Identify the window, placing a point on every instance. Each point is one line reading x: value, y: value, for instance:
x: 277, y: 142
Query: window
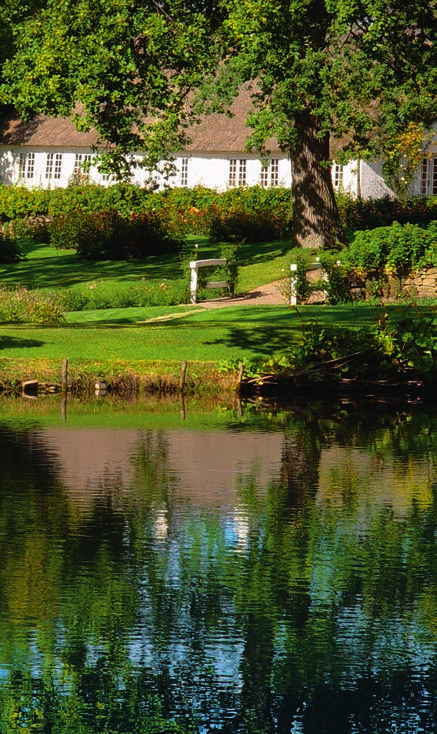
x: 274, y: 172
x: 26, y: 165
x: 337, y: 177
x: 184, y: 172
x: 108, y: 178
x: 428, y: 176
x: 270, y: 173
x: 79, y: 160
x: 53, y: 166
x: 237, y: 172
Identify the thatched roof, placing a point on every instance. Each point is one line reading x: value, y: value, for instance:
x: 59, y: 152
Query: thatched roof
x: 217, y: 133
x: 45, y: 132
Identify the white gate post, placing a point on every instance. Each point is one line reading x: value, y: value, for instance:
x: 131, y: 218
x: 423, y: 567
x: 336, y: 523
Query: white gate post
x: 193, y: 286
x: 293, y: 285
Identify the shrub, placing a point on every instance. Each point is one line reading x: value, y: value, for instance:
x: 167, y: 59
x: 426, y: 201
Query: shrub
x: 164, y: 293
x: 20, y: 202
x: 302, y: 286
x: 363, y: 214
x: 33, y: 307
x: 106, y: 235
x: 152, y: 233
x: 339, y: 283
x: 28, y: 231
x: 398, y: 249
x: 11, y: 250
x: 252, y: 214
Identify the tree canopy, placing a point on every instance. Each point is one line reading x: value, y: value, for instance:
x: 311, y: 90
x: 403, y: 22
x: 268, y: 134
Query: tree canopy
x: 356, y: 74
x: 124, y: 67
x: 353, y: 73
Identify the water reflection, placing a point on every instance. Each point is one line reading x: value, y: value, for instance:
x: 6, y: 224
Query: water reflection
x: 279, y: 577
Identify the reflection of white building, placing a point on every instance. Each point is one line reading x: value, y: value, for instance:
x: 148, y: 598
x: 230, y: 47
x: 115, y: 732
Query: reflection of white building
x: 207, y: 469
x: 50, y: 152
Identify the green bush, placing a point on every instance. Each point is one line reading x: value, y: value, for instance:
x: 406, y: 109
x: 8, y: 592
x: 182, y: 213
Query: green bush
x: 338, y: 284
x: 107, y: 235
x: 151, y: 233
x: 11, y: 249
x: 254, y: 214
x: 398, y: 249
x: 192, y: 206
x: 19, y: 202
x: 32, y: 307
x: 187, y: 209
x: 363, y: 214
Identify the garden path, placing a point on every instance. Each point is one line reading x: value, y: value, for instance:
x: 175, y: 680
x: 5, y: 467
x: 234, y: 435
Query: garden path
x: 265, y: 295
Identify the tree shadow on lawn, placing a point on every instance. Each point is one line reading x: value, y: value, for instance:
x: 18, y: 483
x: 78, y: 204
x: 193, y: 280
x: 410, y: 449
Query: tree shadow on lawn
x: 267, y: 337
x: 263, y: 340
x: 67, y: 270
x: 249, y: 253
x: 11, y: 342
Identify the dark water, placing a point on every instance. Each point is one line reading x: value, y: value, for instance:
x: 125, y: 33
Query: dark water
x: 277, y: 575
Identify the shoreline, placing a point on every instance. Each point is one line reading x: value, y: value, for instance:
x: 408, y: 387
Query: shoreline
x: 122, y: 378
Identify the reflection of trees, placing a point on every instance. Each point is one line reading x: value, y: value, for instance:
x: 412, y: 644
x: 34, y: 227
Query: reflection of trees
x: 280, y: 613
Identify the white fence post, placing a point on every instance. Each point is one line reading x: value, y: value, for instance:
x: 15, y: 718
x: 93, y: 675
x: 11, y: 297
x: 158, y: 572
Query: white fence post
x: 194, y: 265
x: 293, y: 278
x: 293, y: 285
x: 193, y: 283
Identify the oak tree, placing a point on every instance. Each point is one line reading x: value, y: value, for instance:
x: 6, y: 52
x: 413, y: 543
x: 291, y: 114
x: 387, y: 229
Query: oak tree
x: 353, y: 74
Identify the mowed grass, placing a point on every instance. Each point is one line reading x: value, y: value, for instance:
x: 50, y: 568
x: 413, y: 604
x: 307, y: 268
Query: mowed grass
x: 47, y: 268
x: 227, y: 334
x: 161, y: 333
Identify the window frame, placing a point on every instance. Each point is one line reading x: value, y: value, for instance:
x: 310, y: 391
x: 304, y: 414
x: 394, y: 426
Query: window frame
x: 184, y: 173
x: 428, y: 176
x: 53, y: 170
x: 237, y: 172
x: 26, y: 166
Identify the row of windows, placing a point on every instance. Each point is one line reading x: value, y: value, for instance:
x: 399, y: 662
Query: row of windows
x: 53, y: 167
x: 237, y: 169
x: 26, y: 166
x: 237, y: 174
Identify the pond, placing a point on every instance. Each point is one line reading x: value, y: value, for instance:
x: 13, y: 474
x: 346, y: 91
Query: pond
x: 253, y: 569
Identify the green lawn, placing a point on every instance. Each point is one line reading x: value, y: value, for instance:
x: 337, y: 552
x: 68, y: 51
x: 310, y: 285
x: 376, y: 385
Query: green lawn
x: 160, y: 336
x: 46, y: 267
x: 191, y: 333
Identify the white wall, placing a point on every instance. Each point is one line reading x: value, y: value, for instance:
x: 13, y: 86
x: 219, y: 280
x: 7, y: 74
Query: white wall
x: 373, y: 185
x: 210, y: 170
x: 10, y: 168
x: 202, y: 170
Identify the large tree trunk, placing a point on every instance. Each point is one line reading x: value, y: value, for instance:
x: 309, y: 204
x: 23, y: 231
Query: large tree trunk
x: 316, y: 221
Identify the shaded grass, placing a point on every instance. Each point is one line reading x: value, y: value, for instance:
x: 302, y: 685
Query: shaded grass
x: 235, y: 333
x: 48, y: 268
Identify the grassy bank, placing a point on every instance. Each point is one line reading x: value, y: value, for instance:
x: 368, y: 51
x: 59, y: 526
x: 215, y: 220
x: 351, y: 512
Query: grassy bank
x: 140, y: 348
x: 143, y: 347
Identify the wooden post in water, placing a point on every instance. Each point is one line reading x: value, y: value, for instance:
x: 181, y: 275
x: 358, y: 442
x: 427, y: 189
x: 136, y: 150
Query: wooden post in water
x: 64, y: 388
x: 64, y: 376
x: 182, y: 406
x: 183, y: 373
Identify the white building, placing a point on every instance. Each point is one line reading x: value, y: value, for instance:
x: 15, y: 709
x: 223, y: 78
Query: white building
x: 50, y: 152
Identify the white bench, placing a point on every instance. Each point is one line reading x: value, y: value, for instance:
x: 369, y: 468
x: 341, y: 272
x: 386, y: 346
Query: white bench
x: 195, y: 265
